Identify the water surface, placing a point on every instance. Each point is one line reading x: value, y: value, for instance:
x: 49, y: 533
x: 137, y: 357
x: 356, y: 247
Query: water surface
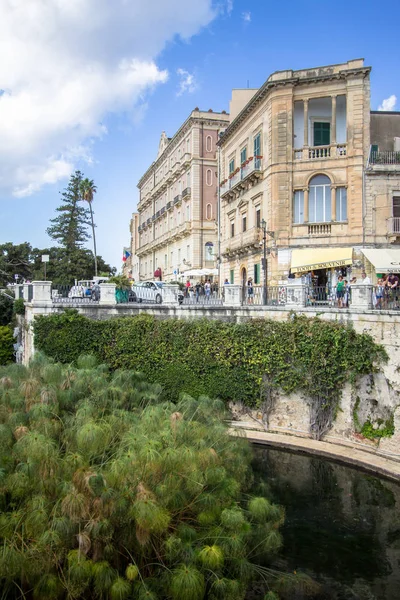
x: 342, y: 525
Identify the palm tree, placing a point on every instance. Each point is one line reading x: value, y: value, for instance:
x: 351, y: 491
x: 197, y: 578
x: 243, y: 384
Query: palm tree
x: 88, y: 189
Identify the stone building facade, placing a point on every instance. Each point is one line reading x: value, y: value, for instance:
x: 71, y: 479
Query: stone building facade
x: 293, y: 157
x: 130, y: 267
x: 382, y: 183
x: 177, y: 229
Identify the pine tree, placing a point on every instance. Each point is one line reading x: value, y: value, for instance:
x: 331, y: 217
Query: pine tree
x: 69, y: 227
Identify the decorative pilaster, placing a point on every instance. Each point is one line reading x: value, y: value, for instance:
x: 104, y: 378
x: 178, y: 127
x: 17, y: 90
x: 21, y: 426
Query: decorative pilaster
x: 333, y: 202
x: 333, y: 132
x: 305, y: 103
x: 306, y: 193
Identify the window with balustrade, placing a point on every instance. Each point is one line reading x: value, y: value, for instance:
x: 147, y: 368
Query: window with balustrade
x: 243, y: 155
x: 319, y: 200
x: 341, y: 204
x: 298, y: 207
x: 257, y: 150
x: 231, y: 166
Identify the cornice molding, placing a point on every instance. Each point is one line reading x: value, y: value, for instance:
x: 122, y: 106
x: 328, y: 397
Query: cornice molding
x: 268, y: 86
x: 177, y: 138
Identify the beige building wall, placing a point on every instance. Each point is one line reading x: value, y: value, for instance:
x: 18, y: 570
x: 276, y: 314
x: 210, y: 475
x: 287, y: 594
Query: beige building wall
x: 178, y: 200
x: 130, y: 267
x: 283, y: 114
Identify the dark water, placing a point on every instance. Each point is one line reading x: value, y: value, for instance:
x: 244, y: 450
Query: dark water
x: 342, y: 526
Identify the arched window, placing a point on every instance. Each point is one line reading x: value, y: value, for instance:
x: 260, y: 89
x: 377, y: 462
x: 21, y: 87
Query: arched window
x: 209, y: 177
x: 319, y: 200
x: 209, y: 251
x: 209, y: 212
x: 209, y: 143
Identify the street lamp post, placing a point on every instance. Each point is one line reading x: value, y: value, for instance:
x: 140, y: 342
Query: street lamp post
x: 265, y: 266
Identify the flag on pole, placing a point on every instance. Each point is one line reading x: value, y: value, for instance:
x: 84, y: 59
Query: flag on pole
x: 126, y: 255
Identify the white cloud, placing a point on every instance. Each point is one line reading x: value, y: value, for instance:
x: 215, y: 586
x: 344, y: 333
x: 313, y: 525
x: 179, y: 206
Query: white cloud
x: 229, y: 6
x: 246, y: 16
x: 67, y: 65
x: 388, y: 103
x: 187, y: 84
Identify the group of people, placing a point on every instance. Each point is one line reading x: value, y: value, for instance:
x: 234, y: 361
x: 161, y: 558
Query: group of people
x: 343, y: 291
x: 201, y: 288
x: 387, y: 291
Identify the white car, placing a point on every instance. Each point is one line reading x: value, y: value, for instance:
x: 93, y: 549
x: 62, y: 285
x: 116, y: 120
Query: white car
x: 147, y: 291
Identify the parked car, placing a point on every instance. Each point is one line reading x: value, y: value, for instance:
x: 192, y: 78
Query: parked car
x: 150, y: 291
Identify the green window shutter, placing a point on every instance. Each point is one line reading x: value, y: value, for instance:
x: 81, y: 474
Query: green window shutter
x: 231, y: 166
x: 257, y: 145
x: 322, y: 134
x: 243, y: 155
x: 257, y: 273
x: 232, y: 276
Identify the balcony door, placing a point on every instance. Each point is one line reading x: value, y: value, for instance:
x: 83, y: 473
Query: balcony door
x: 322, y: 133
x: 396, y: 206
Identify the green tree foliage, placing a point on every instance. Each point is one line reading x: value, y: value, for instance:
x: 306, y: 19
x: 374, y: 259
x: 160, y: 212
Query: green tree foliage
x: 69, y: 228
x: 232, y: 362
x: 6, y: 345
x: 64, y: 267
x: 108, y: 493
x: 6, y: 308
x: 15, y: 259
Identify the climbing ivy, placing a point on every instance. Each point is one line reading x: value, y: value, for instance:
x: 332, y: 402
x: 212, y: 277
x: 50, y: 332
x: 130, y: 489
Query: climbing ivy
x: 225, y: 360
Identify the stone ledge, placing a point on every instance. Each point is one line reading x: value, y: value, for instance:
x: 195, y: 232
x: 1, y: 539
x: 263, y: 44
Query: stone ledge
x: 373, y: 463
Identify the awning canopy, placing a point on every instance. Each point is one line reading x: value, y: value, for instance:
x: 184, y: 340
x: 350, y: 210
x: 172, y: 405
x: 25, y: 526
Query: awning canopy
x: 311, y: 259
x: 385, y: 260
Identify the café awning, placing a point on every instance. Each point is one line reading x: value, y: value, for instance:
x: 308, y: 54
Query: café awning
x: 312, y: 259
x: 385, y: 260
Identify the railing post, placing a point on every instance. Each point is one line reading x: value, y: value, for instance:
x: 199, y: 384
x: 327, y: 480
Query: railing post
x: 107, y: 294
x: 361, y: 296
x: 296, y: 294
x: 232, y: 295
x: 41, y: 292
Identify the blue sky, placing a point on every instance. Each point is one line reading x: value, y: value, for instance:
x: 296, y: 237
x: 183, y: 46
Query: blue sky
x: 108, y: 124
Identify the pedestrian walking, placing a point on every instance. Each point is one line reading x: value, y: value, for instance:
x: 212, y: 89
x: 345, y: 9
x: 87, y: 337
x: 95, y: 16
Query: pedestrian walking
x: 207, y: 290
x: 250, y: 291
x: 340, y: 289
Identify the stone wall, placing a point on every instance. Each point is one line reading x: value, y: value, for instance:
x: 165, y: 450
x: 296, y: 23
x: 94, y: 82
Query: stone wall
x: 380, y: 391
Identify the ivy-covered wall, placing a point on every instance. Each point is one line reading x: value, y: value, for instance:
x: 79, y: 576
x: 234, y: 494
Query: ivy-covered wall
x: 239, y: 362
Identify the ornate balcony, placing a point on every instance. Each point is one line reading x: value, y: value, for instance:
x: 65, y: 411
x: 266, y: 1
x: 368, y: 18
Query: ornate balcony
x: 247, y: 176
x: 177, y: 200
x: 243, y: 243
x: 393, y: 226
x: 320, y: 152
x: 165, y: 238
x: 186, y: 193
